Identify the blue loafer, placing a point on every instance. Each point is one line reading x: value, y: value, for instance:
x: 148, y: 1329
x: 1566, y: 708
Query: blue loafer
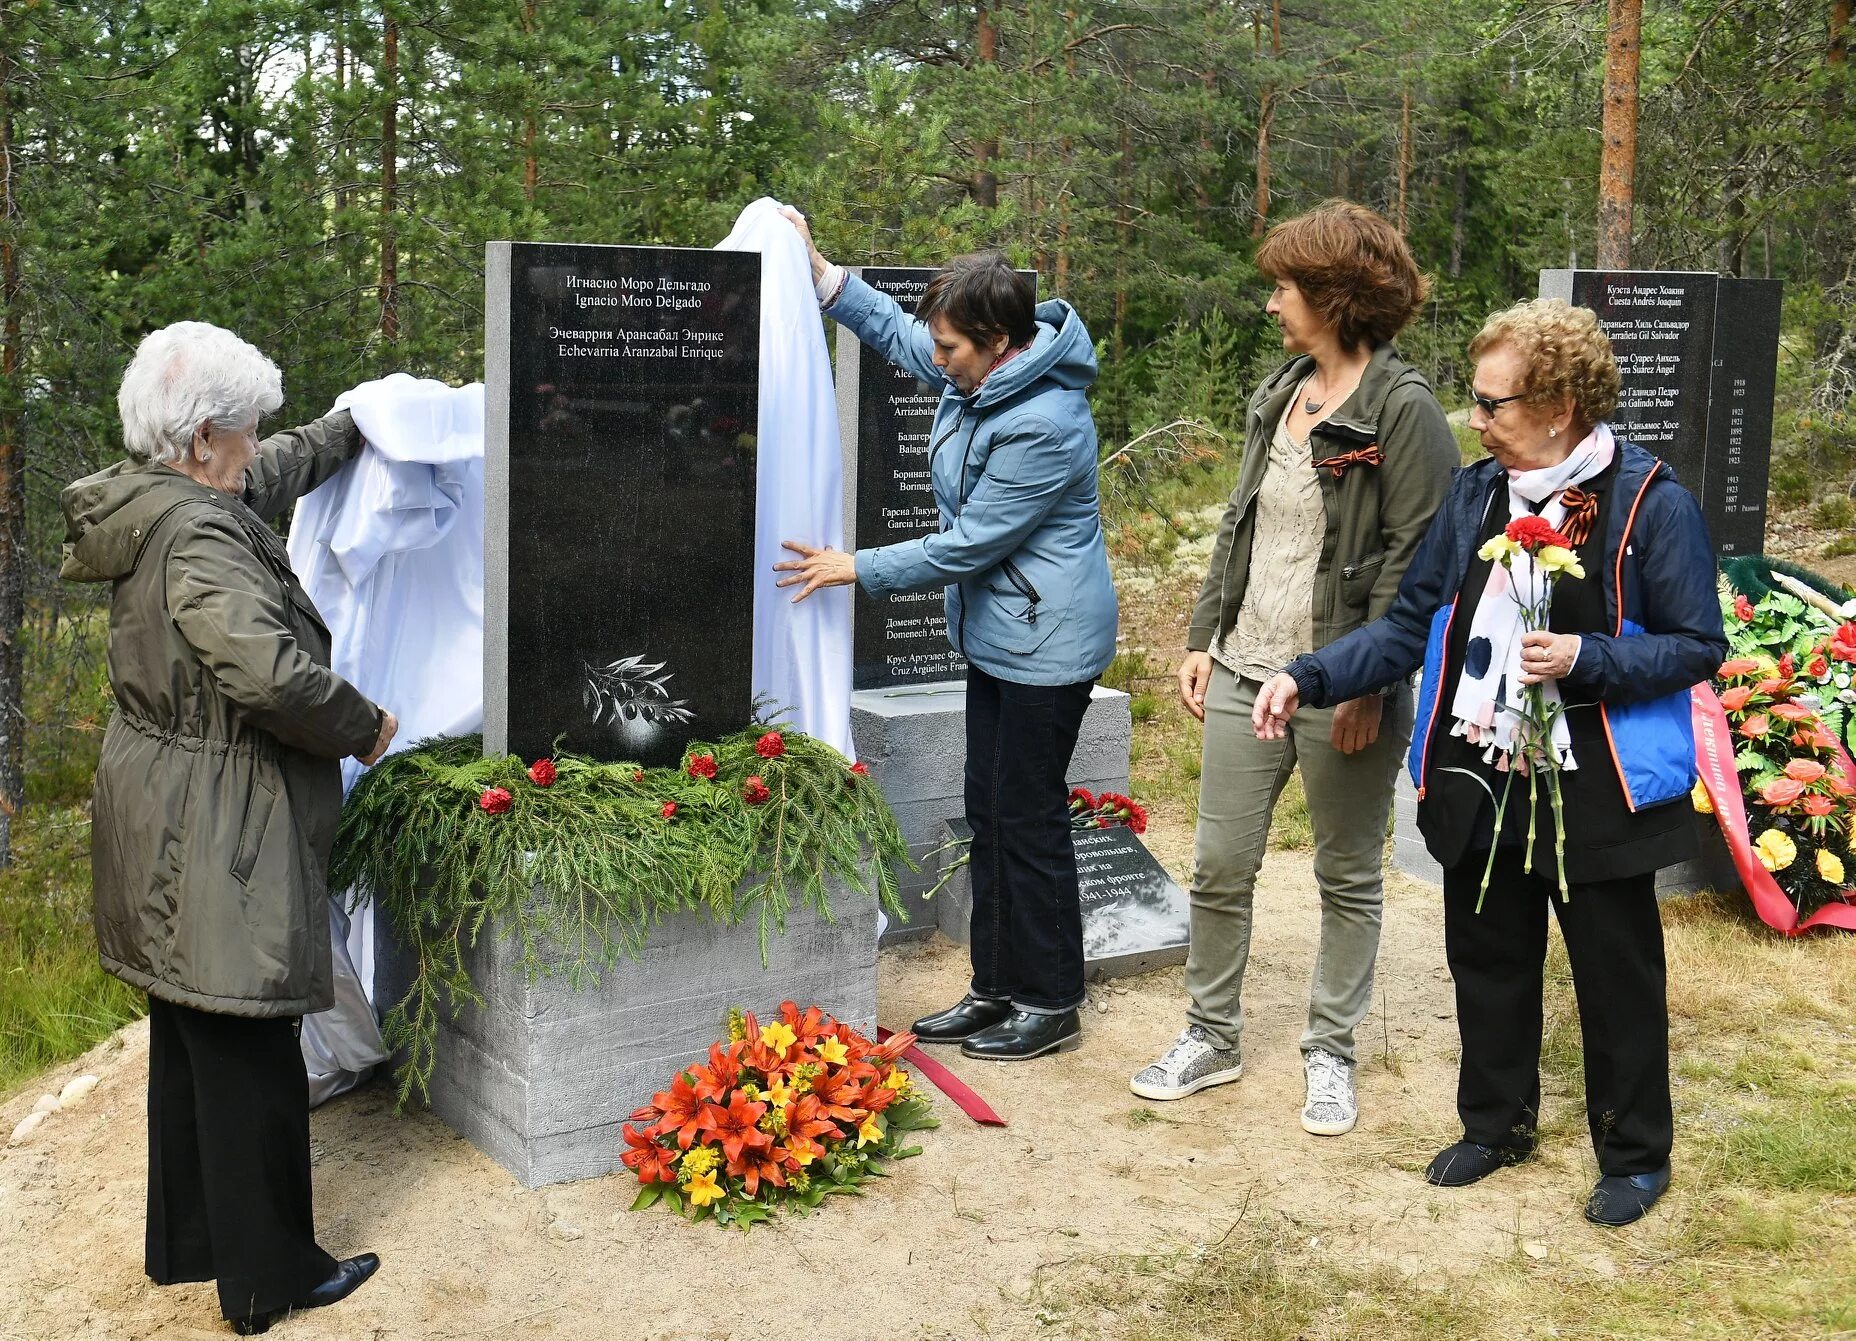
x: 1622, y: 1199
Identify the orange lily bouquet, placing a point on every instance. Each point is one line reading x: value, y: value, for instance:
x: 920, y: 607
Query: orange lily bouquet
x: 782, y: 1114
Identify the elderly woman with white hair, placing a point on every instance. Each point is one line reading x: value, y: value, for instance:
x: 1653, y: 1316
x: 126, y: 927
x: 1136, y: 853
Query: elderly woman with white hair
x: 216, y: 802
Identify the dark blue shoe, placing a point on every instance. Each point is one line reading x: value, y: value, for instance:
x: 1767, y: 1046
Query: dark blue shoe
x: 1466, y: 1162
x: 1622, y: 1199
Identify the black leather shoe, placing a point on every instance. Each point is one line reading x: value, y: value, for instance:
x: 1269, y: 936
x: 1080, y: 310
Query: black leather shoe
x: 960, y: 1021
x: 348, y: 1278
x: 1023, y: 1035
x: 1466, y: 1162
x: 1622, y: 1199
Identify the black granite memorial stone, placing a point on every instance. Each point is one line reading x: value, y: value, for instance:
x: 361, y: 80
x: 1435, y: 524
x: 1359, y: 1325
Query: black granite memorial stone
x: 1697, y: 358
x: 622, y: 405
x: 901, y: 638
x: 1135, y: 917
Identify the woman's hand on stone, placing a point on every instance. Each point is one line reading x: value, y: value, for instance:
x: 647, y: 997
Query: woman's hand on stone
x: 1548, y: 656
x: 389, y: 727
x: 816, y: 568
x: 1276, y: 704
x: 819, y: 264
x: 1356, y: 722
x: 1195, y: 677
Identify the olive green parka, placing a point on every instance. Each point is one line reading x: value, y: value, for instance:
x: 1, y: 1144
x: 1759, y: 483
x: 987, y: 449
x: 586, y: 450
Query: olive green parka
x: 219, y: 785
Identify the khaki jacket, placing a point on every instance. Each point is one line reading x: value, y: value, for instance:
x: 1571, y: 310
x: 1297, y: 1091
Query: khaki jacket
x: 219, y: 785
x: 1376, y: 513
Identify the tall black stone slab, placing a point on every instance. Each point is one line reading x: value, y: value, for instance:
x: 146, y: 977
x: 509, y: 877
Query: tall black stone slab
x: 1698, y: 356
x: 899, y: 639
x: 1746, y: 367
x: 621, y: 388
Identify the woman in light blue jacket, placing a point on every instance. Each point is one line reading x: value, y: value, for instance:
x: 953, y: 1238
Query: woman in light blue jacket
x: 1030, y: 604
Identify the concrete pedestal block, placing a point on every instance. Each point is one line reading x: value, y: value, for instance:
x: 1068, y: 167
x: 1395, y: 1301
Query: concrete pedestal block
x: 1409, y: 853
x: 914, y: 742
x: 540, y: 1076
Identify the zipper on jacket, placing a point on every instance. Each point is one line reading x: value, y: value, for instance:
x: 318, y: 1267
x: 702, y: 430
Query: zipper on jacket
x: 1025, y: 589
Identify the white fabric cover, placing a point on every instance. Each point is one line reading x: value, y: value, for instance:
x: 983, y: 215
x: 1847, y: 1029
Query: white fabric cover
x: 802, y: 653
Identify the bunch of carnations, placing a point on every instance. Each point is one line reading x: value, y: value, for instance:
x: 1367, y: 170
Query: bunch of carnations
x: 1533, y: 752
x: 1800, y: 802
x: 781, y: 1114
x: 1105, y: 811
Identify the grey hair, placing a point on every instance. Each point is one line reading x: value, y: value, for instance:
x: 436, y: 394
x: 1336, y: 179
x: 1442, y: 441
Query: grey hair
x: 186, y: 375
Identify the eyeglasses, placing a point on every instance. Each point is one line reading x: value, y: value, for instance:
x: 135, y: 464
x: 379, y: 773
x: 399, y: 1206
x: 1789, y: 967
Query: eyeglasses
x: 1491, y: 404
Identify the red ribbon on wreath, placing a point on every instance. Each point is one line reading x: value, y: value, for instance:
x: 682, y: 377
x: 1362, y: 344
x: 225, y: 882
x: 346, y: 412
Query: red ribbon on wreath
x: 1714, y: 755
x: 1364, y: 456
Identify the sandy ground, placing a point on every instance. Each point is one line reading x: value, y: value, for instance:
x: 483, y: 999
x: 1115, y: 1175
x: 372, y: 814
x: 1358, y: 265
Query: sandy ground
x: 972, y: 1239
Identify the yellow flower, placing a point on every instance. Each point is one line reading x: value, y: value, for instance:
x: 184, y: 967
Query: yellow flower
x: 698, y: 1159
x: 779, y: 1036
x: 780, y: 1093
x: 869, y: 1132
x: 1704, y: 804
x: 702, y: 1190
x: 897, y: 1079
x: 1830, y: 866
x: 1555, y: 559
x: 1775, y: 850
x: 737, y: 1027
x: 1499, y: 548
x: 803, y: 1156
x: 833, y: 1052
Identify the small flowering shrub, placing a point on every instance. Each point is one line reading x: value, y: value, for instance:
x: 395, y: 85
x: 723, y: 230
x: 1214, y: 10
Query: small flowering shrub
x: 782, y: 1114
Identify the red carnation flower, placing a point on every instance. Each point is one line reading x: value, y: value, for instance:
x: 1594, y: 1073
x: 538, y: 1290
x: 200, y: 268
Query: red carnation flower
x: 770, y: 746
x: 1080, y: 799
x: 861, y: 769
x: 637, y: 775
x: 541, y: 772
x: 1756, y: 726
x: 496, y: 800
x: 755, y: 792
x: 1781, y: 792
x: 1843, y: 642
x: 1735, y: 699
x: 1532, y: 533
x: 1818, y: 806
x: 702, y: 766
x: 1743, y: 608
x: 1818, y: 667
x: 669, y: 811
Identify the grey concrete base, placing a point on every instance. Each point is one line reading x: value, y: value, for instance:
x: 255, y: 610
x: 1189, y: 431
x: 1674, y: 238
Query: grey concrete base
x: 540, y: 1077
x: 1713, y: 869
x: 914, y: 741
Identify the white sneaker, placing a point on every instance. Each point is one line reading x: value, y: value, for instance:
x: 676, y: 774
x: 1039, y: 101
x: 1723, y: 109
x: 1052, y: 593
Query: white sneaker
x: 1192, y: 1064
x: 1330, y: 1109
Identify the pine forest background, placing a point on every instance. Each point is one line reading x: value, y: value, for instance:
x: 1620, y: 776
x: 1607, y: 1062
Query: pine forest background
x: 321, y: 176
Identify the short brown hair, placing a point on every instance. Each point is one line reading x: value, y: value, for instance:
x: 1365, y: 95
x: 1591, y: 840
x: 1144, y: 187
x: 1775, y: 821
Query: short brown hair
x: 982, y: 297
x: 1352, y: 267
x: 1565, y: 353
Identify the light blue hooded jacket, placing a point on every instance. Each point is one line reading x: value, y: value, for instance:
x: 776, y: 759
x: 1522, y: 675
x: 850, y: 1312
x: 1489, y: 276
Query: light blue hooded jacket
x: 1020, y: 550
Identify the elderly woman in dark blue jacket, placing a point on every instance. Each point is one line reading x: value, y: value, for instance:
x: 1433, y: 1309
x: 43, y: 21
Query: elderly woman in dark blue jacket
x: 1623, y: 646
x: 1030, y: 604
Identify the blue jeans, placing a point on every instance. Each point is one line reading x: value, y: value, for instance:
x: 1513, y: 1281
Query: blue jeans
x: 1027, y: 922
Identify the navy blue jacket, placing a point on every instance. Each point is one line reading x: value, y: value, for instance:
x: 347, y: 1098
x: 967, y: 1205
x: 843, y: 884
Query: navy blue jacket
x: 1660, y: 602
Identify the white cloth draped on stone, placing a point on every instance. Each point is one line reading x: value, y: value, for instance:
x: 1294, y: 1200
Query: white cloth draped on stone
x: 1490, y: 698
x: 391, y: 551
x: 802, y: 653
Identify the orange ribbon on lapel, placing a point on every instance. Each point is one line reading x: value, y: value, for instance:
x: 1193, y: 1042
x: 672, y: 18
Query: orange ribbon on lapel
x: 1581, y: 513
x: 1365, y: 456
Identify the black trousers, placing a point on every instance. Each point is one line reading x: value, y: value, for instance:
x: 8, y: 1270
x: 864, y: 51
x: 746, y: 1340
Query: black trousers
x: 228, y: 1159
x: 1614, y: 938
x: 1027, y: 923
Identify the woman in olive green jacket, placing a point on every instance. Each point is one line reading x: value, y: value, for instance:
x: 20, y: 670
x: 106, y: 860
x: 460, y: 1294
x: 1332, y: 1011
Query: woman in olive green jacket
x: 216, y: 801
x: 1347, y: 456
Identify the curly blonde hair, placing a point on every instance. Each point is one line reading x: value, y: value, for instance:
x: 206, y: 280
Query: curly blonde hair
x: 1565, y: 353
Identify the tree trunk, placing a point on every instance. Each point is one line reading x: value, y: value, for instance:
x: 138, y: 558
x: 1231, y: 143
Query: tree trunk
x: 986, y: 152
x: 1401, y: 213
x: 1266, y: 113
x: 1617, y: 173
x: 1838, y: 52
x: 14, y: 557
x: 338, y: 116
x: 389, y: 181
x: 1124, y: 214
x: 1065, y: 154
x: 531, y: 167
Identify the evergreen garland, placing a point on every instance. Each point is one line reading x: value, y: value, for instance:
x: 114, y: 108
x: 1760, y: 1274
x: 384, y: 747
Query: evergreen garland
x: 576, y: 861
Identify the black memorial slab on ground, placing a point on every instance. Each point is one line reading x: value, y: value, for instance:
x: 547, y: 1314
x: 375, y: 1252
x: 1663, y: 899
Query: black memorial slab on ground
x: 1135, y: 916
x: 1697, y: 355
x: 621, y: 388
x: 886, y: 416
